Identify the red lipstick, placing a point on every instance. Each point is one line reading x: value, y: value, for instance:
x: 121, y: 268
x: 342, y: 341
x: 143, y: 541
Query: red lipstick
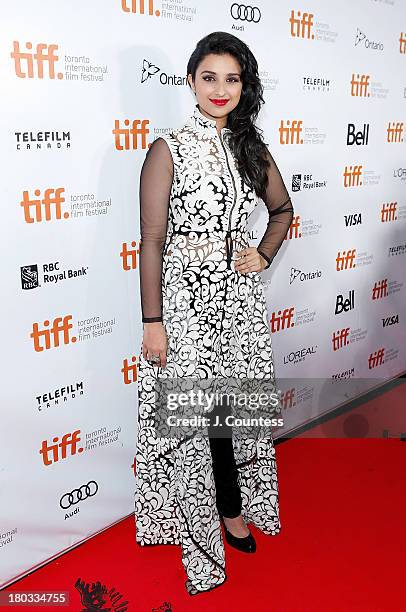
x: 218, y: 101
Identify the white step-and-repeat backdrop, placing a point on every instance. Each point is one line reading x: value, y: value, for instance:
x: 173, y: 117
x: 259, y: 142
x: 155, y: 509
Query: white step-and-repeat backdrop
x: 86, y: 87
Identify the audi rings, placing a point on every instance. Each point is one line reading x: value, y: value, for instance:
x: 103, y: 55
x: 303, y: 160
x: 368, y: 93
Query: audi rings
x: 244, y: 12
x: 77, y: 495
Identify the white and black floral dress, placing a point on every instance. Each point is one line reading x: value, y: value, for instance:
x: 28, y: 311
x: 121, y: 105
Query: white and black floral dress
x: 194, y: 208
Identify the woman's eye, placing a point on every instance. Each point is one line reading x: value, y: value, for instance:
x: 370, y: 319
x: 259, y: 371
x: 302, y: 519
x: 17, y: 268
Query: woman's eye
x: 232, y: 79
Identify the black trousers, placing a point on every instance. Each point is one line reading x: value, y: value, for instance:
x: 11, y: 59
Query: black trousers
x: 228, y: 494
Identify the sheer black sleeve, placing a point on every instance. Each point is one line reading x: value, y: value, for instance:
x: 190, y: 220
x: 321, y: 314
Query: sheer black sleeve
x: 155, y: 186
x: 280, y: 212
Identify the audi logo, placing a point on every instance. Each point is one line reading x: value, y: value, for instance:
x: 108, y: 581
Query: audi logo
x: 245, y: 13
x: 77, y: 495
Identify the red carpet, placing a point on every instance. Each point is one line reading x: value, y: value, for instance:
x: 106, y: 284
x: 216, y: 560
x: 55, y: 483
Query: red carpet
x: 342, y: 504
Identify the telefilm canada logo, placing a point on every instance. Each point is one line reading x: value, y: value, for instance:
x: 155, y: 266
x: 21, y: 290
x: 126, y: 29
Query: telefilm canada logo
x: 59, y: 395
x: 42, y: 140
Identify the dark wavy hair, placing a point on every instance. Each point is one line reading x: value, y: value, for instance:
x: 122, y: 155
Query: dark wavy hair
x: 245, y: 139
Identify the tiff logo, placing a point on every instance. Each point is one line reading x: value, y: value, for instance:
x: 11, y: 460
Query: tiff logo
x: 138, y: 6
x: 34, y: 62
x: 52, y: 335
x: 282, y: 320
x: 129, y: 371
x: 360, y: 86
x: 288, y: 398
x: 346, y: 260
x: 129, y: 256
x: 388, y: 212
x: 45, y: 209
x: 302, y: 25
x: 352, y: 176
x: 340, y: 338
x: 380, y: 289
x: 376, y: 358
x: 287, y: 134
x: 126, y: 138
x: 58, y: 450
x: 402, y: 43
x: 294, y: 228
x: 395, y: 132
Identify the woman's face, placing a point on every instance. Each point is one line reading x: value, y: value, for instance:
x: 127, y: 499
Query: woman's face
x: 217, y: 85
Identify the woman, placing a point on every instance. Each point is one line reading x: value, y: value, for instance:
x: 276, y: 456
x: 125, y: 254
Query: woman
x: 204, y: 312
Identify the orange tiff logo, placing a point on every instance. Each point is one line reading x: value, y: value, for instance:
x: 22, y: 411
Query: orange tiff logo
x: 43, y: 209
x: 138, y: 6
x: 127, y: 137
x: 395, y: 131
x: 52, y: 453
x: 294, y: 229
x: 380, y: 289
x: 402, y: 43
x: 283, y: 319
x: 31, y: 64
x: 301, y: 25
x: 340, y: 339
x: 360, y: 85
x: 388, y: 212
x: 376, y: 358
x: 345, y: 261
x: 130, y: 370
x: 52, y: 335
x: 352, y: 176
x: 290, y: 133
x: 129, y: 256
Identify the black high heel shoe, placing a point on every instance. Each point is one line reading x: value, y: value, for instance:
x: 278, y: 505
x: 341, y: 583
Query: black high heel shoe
x: 247, y: 544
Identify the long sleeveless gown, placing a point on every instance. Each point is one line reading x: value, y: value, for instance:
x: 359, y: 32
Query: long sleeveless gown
x: 194, y: 208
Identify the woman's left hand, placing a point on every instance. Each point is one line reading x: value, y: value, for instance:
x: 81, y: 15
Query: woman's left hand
x: 249, y: 260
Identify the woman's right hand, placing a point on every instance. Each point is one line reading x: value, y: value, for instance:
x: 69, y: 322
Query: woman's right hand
x: 155, y: 342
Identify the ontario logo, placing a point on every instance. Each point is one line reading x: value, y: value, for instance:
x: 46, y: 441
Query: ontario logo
x: 149, y: 70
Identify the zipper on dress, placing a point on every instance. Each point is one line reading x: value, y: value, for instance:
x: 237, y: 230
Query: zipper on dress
x: 229, y: 240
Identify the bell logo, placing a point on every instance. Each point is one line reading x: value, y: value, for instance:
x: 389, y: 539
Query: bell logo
x: 129, y: 256
x: 380, y: 289
x: 388, y: 212
x: 301, y: 26
x: 52, y: 335
x: 346, y: 260
x: 402, y: 43
x: 395, y: 131
x: 287, y: 133
x: 31, y: 65
x: 46, y: 209
x: 138, y: 6
x: 282, y: 320
x: 352, y: 176
x: 294, y: 228
x: 360, y: 85
x: 59, y: 449
x: 340, y: 338
x: 129, y: 371
x: 126, y: 138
